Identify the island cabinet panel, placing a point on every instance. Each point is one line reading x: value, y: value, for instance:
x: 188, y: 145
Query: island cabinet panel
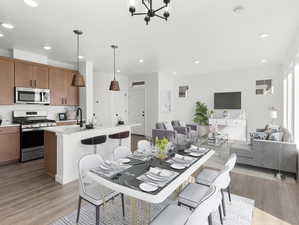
x: 50, y: 153
x: 23, y: 75
x: 10, y: 145
x: 72, y: 92
x: 6, y: 81
x: 58, y: 86
x: 31, y: 75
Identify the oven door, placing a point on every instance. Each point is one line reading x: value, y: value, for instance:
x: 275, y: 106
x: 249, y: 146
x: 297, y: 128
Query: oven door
x: 32, y: 144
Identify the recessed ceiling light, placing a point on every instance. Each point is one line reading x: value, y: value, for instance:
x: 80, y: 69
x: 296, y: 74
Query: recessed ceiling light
x: 118, y: 71
x: 80, y: 57
x: 238, y: 9
x: 31, y: 3
x: 264, y: 61
x: 47, y: 47
x: 263, y: 36
x: 1, y: 35
x: 141, y: 60
x: 196, y: 62
x: 7, y: 25
x: 174, y: 73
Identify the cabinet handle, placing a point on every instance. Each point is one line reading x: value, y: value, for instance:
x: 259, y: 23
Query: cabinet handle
x: 31, y: 83
x: 62, y: 101
x: 34, y: 83
x: 66, y: 101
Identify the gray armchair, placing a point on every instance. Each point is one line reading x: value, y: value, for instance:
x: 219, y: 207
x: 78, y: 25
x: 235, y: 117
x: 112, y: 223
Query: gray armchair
x: 174, y: 134
x: 191, y: 129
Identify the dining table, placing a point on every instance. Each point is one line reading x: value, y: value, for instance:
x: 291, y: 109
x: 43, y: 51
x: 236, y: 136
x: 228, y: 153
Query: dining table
x: 135, y: 173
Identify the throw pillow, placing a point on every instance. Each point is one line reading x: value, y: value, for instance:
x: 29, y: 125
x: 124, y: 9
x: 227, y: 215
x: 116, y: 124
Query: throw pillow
x: 277, y: 136
x: 168, y: 126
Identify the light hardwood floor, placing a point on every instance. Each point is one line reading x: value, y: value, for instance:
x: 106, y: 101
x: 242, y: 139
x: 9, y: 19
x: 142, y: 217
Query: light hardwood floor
x: 29, y: 196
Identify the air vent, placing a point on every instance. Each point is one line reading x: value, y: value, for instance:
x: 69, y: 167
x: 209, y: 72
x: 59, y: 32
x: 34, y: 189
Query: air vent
x: 139, y: 83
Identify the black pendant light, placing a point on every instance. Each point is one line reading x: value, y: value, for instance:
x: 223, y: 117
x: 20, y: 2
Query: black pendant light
x: 150, y: 12
x: 78, y: 79
x: 114, y: 85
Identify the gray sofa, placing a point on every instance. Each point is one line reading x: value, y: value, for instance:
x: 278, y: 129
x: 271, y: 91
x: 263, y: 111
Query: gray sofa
x: 175, y: 134
x: 268, y: 154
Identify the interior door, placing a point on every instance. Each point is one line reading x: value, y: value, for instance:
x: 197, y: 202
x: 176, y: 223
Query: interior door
x: 137, y: 109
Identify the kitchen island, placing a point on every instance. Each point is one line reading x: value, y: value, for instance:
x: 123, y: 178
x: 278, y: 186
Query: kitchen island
x: 63, y: 148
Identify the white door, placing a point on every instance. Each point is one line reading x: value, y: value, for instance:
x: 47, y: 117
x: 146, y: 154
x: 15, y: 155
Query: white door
x: 137, y: 109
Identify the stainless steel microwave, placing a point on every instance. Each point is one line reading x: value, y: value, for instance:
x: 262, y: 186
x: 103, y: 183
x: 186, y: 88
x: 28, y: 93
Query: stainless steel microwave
x: 32, y: 96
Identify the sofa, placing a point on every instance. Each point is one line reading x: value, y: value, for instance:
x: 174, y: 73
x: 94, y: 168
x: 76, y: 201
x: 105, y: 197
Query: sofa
x: 279, y: 154
x: 166, y: 129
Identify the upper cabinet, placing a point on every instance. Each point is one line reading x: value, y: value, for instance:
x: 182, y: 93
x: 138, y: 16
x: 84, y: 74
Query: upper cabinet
x: 31, y: 75
x: 62, y: 91
x: 6, y: 81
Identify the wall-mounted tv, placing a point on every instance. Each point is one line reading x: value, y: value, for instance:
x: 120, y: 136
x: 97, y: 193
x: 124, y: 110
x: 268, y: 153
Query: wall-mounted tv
x: 227, y: 100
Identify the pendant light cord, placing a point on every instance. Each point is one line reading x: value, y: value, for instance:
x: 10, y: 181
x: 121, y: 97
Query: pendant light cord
x: 78, y: 52
x: 114, y: 61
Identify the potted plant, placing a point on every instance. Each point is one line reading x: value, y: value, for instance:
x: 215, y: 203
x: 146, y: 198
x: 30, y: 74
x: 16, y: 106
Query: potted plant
x: 201, y: 117
x: 162, y: 144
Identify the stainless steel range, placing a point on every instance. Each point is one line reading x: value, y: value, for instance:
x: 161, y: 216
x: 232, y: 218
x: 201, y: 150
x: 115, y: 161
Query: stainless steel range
x: 32, y: 133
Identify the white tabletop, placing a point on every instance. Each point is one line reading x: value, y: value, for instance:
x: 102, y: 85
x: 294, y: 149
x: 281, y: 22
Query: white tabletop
x: 160, y: 196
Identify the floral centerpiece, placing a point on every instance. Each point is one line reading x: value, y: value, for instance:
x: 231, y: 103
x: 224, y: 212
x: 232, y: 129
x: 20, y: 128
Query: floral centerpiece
x: 162, y: 144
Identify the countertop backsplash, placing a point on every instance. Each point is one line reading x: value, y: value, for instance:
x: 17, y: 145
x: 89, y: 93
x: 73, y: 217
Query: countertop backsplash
x: 6, y: 111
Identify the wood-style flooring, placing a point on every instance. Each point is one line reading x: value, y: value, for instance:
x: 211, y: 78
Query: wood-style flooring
x: 29, y: 196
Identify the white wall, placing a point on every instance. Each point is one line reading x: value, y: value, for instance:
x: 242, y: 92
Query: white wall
x: 108, y: 103
x: 151, y: 99
x: 202, y: 88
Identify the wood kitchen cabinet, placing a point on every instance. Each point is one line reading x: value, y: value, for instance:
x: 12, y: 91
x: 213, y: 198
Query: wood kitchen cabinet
x: 62, y: 91
x: 6, y: 81
x: 10, y: 145
x: 31, y: 75
x: 50, y: 153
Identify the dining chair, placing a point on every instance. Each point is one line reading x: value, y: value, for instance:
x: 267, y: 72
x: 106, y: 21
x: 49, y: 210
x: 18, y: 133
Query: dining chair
x: 207, y: 176
x: 144, y: 145
x: 121, y: 152
x: 193, y: 193
x: 202, y: 214
x: 91, y: 191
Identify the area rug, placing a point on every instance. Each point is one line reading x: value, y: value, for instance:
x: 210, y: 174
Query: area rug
x: 239, y: 212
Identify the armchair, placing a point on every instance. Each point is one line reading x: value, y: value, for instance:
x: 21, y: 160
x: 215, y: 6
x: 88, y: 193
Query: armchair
x: 191, y: 129
x: 174, y: 134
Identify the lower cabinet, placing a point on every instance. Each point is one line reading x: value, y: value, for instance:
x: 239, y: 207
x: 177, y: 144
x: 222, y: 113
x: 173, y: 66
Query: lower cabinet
x: 9, y: 145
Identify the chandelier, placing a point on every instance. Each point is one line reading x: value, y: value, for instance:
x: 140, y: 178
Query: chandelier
x: 148, y: 4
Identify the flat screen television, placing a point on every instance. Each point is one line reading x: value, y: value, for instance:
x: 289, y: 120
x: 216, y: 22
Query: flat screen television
x: 227, y: 100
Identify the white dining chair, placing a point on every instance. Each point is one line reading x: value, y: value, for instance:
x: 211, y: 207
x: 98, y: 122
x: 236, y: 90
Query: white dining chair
x: 207, y: 176
x: 121, y: 152
x: 176, y: 215
x: 91, y: 191
x: 193, y: 193
x: 144, y: 145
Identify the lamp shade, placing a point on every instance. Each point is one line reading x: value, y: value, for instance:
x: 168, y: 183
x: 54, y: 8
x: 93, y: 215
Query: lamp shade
x: 274, y: 114
x: 114, y: 86
x: 78, y: 80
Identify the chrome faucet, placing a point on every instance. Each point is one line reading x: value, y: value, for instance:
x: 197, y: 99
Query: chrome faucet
x: 79, y: 111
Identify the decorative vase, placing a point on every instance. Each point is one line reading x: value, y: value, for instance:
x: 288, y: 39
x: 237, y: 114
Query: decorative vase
x: 162, y: 154
x: 203, y: 130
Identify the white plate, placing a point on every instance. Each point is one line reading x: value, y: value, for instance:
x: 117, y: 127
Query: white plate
x: 148, y: 187
x: 124, y: 160
x: 155, y: 177
x: 177, y: 166
x: 166, y: 173
x: 196, y: 154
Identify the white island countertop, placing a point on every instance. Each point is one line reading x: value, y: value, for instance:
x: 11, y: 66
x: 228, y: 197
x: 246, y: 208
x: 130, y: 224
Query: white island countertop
x: 75, y: 129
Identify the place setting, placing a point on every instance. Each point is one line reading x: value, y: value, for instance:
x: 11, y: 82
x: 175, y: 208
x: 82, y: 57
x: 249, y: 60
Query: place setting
x: 110, y: 168
x: 196, y: 151
x: 155, y: 178
x: 180, y: 162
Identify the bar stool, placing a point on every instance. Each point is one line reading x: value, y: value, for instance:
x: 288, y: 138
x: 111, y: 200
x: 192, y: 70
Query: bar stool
x: 94, y: 141
x: 120, y: 136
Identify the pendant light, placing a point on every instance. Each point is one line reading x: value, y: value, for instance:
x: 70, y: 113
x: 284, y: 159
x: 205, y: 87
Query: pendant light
x: 114, y: 85
x: 78, y: 79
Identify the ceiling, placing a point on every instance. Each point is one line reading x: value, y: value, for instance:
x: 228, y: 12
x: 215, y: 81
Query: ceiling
x: 204, y: 30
